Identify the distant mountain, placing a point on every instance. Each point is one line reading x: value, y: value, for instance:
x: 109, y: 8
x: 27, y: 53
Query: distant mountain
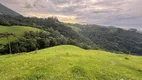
x: 6, y: 11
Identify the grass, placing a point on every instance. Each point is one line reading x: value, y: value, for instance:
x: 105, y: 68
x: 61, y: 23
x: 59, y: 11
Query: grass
x: 17, y: 30
x: 68, y: 62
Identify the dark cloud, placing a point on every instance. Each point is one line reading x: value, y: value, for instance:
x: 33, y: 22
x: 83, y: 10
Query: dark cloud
x: 62, y: 2
x: 111, y: 3
x: 9, y: 1
x: 27, y: 5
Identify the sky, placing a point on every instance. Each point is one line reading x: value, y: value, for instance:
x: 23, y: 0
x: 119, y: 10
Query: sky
x: 121, y: 13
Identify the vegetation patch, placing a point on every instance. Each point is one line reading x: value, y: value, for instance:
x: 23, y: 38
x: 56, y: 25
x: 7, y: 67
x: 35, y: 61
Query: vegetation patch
x: 140, y: 70
x: 78, y: 71
x: 126, y: 58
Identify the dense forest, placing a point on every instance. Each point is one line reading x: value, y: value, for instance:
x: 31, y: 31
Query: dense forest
x: 57, y: 33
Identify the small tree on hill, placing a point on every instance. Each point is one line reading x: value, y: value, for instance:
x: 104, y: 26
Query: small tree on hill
x: 7, y: 35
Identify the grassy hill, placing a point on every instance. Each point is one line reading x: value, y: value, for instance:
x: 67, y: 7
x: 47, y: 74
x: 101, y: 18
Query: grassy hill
x: 70, y: 63
x: 17, y: 30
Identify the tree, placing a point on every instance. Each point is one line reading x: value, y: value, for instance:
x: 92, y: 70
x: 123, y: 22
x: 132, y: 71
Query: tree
x: 53, y: 42
x: 7, y: 35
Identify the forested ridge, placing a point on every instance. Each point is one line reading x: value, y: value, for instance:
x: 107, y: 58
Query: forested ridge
x: 113, y: 39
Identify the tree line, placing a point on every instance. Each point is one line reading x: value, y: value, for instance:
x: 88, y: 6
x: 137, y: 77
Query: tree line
x: 34, y: 41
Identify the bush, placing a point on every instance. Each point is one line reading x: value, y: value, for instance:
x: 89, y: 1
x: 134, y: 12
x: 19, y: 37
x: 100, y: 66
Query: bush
x: 126, y: 58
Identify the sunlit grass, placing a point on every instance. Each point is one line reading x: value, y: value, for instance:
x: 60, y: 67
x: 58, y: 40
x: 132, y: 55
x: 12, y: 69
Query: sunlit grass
x: 70, y: 63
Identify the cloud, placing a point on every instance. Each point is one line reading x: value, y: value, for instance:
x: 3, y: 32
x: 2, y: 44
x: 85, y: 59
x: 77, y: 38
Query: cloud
x: 68, y: 19
x: 106, y: 12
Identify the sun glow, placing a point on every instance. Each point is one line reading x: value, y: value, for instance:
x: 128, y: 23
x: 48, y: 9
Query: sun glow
x: 63, y: 18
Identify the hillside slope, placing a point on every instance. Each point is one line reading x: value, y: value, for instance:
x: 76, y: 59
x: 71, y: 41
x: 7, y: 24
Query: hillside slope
x: 70, y: 63
x: 17, y: 30
x: 6, y: 11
